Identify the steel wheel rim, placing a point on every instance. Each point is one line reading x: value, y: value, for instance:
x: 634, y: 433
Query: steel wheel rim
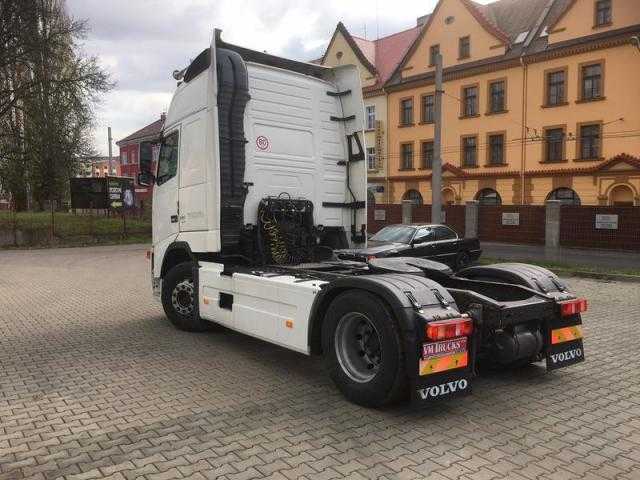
x: 358, y: 346
x: 182, y: 297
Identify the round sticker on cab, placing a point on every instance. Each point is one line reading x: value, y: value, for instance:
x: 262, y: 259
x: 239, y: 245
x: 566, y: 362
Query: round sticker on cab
x: 262, y: 142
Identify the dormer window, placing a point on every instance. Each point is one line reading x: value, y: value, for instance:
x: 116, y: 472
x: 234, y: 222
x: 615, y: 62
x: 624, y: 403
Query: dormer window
x: 433, y: 53
x: 464, y: 47
x: 603, y: 13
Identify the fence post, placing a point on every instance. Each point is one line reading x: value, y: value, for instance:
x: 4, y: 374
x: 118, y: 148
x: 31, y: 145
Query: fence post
x: 552, y: 224
x: 124, y: 224
x: 407, y: 211
x: 15, y: 224
x: 53, y: 225
x: 471, y: 219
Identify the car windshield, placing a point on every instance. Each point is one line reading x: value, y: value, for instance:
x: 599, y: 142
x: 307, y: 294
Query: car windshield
x: 397, y: 234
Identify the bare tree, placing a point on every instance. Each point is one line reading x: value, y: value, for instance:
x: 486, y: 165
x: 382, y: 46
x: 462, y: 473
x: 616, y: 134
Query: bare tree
x: 47, y: 94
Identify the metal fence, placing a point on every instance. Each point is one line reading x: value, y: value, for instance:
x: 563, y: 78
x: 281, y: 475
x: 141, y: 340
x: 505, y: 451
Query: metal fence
x: 50, y: 228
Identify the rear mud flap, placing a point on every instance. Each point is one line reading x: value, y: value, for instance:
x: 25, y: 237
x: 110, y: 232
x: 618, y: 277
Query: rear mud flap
x: 440, y: 386
x: 565, y: 345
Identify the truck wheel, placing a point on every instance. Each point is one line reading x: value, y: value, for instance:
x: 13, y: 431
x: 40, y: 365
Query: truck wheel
x: 363, y: 351
x: 179, y: 298
x: 463, y: 260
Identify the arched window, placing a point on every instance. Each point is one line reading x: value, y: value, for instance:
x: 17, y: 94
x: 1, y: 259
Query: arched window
x: 488, y: 196
x: 413, y: 196
x: 566, y: 195
x: 621, y: 196
x: 371, y: 197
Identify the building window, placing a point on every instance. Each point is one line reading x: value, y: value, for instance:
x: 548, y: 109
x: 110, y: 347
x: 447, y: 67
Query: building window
x: 469, y: 101
x: 371, y: 159
x: 434, y: 50
x: 565, y: 195
x: 134, y: 160
x: 406, y: 111
x: 123, y: 158
x: 496, y: 149
x: 591, y: 82
x: 497, y: 102
x: 469, y: 152
x: 406, y: 156
x: 603, y: 13
x: 427, y: 154
x: 428, y: 108
x: 413, y: 196
x: 589, y: 141
x: 371, y: 196
x: 370, y: 110
x: 464, y: 48
x: 554, y: 145
x: 556, y: 91
x: 621, y: 196
x: 488, y: 196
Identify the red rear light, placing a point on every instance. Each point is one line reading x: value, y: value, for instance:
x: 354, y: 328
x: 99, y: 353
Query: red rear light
x: 148, y: 254
x: 573, y: 307
x: 455, y: 327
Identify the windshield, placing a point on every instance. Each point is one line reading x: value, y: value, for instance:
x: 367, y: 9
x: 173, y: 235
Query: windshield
x: 396, y: 234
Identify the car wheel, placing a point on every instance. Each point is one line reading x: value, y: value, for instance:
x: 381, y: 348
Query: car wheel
x: 363, y: 351
x: 179, y: 299
x: 463, y: 260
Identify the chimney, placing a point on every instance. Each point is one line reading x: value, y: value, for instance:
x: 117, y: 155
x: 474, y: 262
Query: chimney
x: 421, y: 20
x: 163, y: 117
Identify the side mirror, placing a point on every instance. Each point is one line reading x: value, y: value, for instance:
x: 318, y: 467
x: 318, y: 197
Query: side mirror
x: 146, y: 179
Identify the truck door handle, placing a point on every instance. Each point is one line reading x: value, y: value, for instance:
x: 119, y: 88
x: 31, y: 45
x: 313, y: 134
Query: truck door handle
x: 174, y: 218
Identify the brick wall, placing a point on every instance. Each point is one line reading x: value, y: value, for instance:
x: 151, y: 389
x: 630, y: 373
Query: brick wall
x: 393, y: 215
x: 577, y: 224
x: 530, y: 230
x: 577, y: 228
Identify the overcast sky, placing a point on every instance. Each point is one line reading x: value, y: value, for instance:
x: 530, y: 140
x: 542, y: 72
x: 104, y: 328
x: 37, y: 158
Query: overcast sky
x: 140, y: 42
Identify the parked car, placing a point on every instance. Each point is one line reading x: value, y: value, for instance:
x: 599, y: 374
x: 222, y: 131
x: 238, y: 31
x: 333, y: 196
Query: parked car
x: 435, y: 242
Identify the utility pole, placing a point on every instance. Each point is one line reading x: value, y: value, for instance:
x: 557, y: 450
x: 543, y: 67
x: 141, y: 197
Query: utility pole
x: 436, y: 168
x: 110, y: 139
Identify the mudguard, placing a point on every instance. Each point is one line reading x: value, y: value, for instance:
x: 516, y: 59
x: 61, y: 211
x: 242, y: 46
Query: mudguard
x: 415, y: 301
x: 563, y: 335
x: 532, y: 276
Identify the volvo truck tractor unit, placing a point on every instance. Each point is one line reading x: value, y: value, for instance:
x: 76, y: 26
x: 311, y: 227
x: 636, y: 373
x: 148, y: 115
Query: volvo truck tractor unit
x: 261, y: 177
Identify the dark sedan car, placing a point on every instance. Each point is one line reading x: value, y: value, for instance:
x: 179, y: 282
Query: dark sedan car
x: 435, y: 242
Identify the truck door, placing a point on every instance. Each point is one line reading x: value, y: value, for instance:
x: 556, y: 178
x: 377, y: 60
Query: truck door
x: 165, y: 199
x: 193, y: 178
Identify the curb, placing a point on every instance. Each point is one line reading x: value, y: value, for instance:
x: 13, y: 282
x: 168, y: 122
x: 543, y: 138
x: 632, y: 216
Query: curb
x: 617, y: 277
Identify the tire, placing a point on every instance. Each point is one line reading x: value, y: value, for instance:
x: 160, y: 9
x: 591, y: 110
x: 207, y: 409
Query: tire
x: 179, y: 297
x: 377, y: 377
x: 463, y: 260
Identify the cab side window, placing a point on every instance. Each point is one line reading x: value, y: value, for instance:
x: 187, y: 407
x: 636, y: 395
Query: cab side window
x: 423, y: 235
x: 445, y: 233
x: 168, y: 159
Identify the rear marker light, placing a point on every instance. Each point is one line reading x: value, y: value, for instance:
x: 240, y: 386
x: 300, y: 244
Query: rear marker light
x: 573, y: 307
x: 443, y: 329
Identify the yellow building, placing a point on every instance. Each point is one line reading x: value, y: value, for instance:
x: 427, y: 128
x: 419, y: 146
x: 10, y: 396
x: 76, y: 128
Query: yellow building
x: 376, y: 60
x: 542, y: 101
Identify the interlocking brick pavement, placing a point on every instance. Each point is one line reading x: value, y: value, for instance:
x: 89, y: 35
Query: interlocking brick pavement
x: 95, y: 383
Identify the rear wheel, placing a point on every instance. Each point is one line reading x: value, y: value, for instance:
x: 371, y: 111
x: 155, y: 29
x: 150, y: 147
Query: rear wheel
x: 463, y: 260
x: 179, y: 298
x: 362, y: 349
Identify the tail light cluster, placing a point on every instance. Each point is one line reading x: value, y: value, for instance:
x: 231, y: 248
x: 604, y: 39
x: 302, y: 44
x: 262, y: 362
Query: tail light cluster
x: 573, y: 307
x: 451, y: 328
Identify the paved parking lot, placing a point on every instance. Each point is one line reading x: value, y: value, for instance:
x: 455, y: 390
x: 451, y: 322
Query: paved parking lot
x: 95, y: 383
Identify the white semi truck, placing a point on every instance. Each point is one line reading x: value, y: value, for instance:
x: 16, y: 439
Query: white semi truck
x: 260, y: 178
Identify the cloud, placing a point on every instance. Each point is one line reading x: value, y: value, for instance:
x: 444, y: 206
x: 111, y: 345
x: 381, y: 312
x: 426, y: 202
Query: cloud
x: 141, y: 42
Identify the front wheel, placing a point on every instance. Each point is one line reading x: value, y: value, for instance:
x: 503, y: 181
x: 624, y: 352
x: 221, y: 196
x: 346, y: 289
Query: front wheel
x: 179, y: 299
x: 363, y: 351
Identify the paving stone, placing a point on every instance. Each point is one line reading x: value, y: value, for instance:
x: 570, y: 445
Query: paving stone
x: 96, y: 383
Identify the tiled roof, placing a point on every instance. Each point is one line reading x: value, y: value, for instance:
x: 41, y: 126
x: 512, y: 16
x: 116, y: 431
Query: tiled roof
x: 379, y: 56
x: 151, y: 131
